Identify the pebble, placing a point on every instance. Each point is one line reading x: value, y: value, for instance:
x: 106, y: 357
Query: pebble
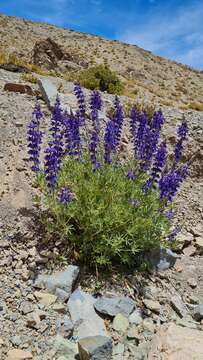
x: 152, y: 305
x: 17, y: 354
x: 45, y: 298
x: 120, y: 323
x: 192, y: 282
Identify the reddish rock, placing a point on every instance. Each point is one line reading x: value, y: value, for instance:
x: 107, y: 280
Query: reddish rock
x: 19, y: 88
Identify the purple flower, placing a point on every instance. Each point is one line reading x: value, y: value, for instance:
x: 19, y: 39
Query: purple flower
x: 81, y: 103
x: 95, y: 100
x: 130, y: 175
x: 157, y: 121
x: 73, y: 141
x: 56, y: 129
x: 134, y: 202
x: 109, y: 141
x: 169, y: 214
x: 65, y: 196
x: 170, y: 182
x: 159, y: 162
x: 51, y: 165
x: 174, y: 233
x: 182, y: 131
x: 34, y: 138
x: 54, y: 150
x: 178, y: 150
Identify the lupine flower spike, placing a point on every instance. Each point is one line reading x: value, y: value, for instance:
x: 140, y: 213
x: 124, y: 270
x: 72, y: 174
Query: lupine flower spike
x: 65, y: 196
x: 34, y: 138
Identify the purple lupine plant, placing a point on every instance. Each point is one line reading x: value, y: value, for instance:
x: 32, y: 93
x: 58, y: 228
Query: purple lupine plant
x: 157, y: 121
x: 159, y: 162
x: 81, y: 103
x: 73, y: 141
x: 54, y: 150
x: 65, y: 195
x: 182, y: 132
x: 95, y: 103
x: 51, y: 166
x: 34, y: 138
x: 170, y: 182
x: 157, y: 166
x: 56, y: 129
x: 109, y: 140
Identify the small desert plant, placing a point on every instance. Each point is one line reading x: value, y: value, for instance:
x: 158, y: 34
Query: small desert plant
x: 101, y: 77
x: 107, y: 211
x: 30, y: 78
x: 195, y: 106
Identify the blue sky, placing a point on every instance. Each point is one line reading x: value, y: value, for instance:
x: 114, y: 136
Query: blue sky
x: 171, y: 28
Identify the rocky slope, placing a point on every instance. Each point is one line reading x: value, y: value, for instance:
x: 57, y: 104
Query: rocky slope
x: 42, y: 317
x: 37, y: 322
x: 154, y: 78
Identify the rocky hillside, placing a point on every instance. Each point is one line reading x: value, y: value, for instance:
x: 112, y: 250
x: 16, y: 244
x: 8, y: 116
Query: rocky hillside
x: 48, y: 307
x: 145, y: 75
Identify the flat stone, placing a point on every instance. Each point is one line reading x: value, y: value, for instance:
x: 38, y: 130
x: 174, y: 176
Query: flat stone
x: 120, y: 323
x: 17, y: 354
x: 60, y: 308
x: 189, y: 250
x: 198, y: 312
x: 178, y: 306
x: 83, y: 315
x: 135, y: 318
x: 152, y: 305
x: 116, y: 305
x: 176, y: 343
x: 45, y: 298
x: 49, y: 91
x: 62, y: 295
x: 65, y: 348
x: 95, y: 348
x: 64, y: 280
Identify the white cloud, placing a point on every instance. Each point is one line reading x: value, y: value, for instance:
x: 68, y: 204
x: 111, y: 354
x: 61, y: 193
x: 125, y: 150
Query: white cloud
x: 178, y: 36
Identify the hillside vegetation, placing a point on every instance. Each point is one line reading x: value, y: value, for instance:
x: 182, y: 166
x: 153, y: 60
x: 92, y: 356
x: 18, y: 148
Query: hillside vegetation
x: 143, y: 74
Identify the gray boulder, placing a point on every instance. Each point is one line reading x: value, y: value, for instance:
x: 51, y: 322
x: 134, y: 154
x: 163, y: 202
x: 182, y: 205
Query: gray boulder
x: 63, y: 280
x: 95, y: 348
x: 116, y: 305
x: 49, y: 91
x: 86, y: 321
